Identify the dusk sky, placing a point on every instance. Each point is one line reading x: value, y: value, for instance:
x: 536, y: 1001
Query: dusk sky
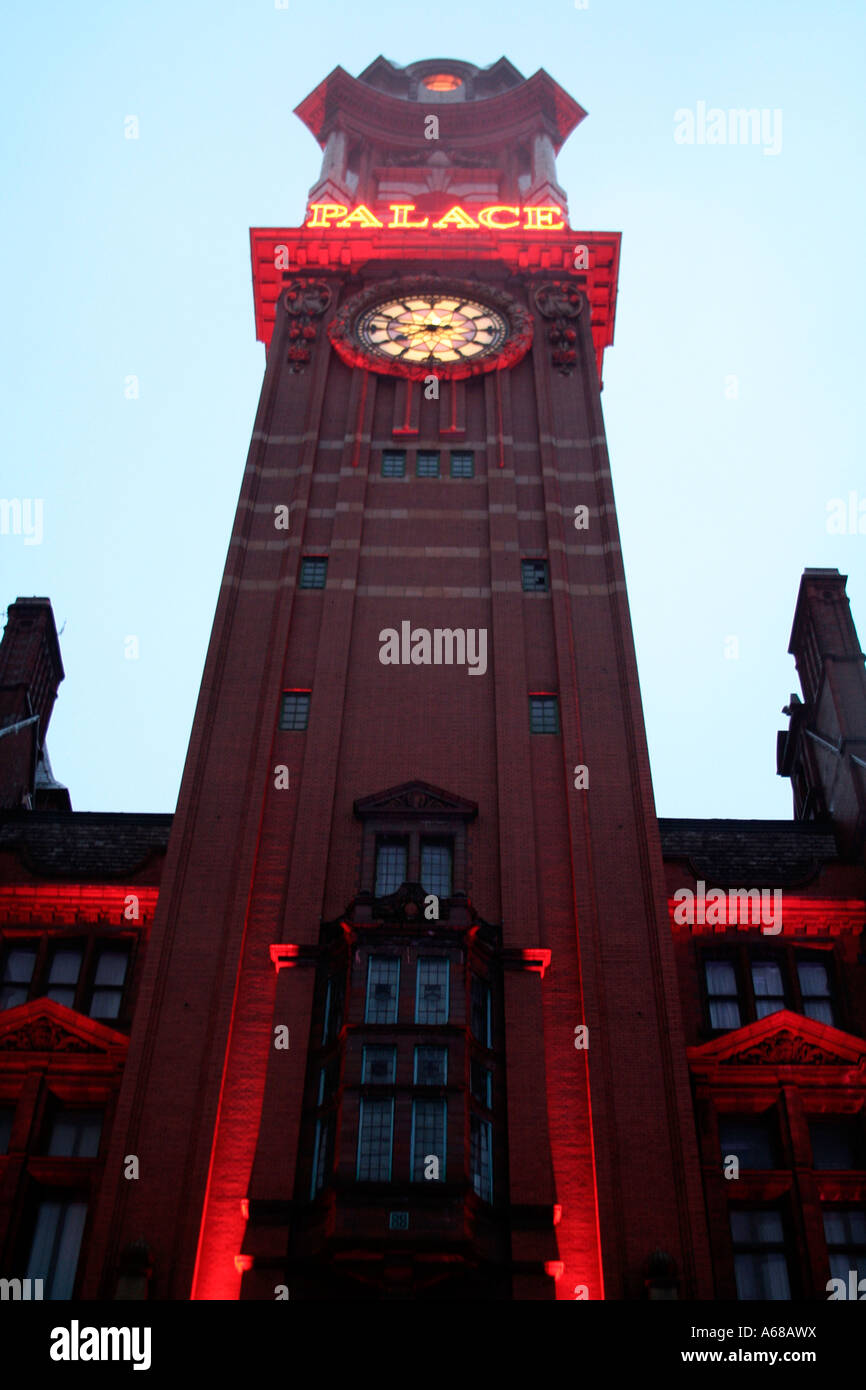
x: 733, y: 393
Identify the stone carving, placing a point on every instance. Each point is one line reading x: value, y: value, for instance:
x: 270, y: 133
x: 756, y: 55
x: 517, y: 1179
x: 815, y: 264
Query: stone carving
x: 561, y: 301
x: 305, y: 300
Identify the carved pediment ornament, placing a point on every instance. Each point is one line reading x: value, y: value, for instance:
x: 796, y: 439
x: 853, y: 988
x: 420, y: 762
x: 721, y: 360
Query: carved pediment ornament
x: 787, y: 1048
x: 43, y: 1035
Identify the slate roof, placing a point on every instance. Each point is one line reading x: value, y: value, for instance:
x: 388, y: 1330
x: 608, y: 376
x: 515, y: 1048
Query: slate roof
x: 734, y: 853
x: 88, y: 845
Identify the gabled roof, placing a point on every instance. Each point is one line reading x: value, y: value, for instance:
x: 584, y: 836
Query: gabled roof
x: 43, y: 1025
x: 780, y: 1039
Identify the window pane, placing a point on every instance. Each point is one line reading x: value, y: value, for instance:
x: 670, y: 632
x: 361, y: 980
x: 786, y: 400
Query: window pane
x: 393, y: 463
x: 721, y: 978
x: 75, y: 1134
x: 294, y: 710
x: 427, y: 465
x: 724, y: 1015
x: 845, y: 1226
x: 431, y: 1066
x: 431, y: 994
x: 428, y: 1136
x: 390, y: 866
x: 383, y: 973
x: 833, y: 1144
x: 462, y: 465
x: 322, y: 1151
x: 54, y: 1249
x: 314, y: 572
x: 767, y: 979
x: 436, y: 869
x: 111, y: 966
x: 480, y: 1010
x: 757, y: 1227
x: 813, y: 979
x: 533, y: 575
x: 374, y: 1140
x: 481, y: 1083
x: 819, y: 1009
x: 65, y: 966
x: 380, y: 1066
x: 750, y: 1138
x: 481, y: 1147
x: 543, y: 714
x: 17, y: 974
x: 763, y: 1276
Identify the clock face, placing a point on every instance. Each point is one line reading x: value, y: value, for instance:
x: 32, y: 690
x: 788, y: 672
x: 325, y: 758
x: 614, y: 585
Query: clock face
x: 432, y: 328
x: 420, y: 326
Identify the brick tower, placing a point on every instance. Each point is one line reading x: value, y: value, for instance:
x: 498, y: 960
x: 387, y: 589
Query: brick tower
x: 408, y: 1025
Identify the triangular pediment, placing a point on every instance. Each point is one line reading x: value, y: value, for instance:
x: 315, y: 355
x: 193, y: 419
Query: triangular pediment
x: 415, y: 799
x: 781, y: 1039
x: 46, y: 1026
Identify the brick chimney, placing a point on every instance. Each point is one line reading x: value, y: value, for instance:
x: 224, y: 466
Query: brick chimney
x: 30, y: 672
x: 824, y: 748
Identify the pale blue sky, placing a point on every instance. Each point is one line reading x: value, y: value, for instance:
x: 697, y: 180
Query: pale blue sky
x: 128, y: 257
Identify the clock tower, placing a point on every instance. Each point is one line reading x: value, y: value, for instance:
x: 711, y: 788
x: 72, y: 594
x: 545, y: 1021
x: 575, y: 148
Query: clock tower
x: 409, y: 1025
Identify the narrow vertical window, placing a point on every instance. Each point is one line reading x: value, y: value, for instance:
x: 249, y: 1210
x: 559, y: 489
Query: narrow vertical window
x: 479, y: 1010
x: 543, y: 714
x: 768, y: 987
x: 383, y: 977
x: 431, y: 992
x: 760, y: 1256
x: 55, y: 1246
x: 108, y: 981
x: 375, y: 1138
x: 429, y: 1119
x: 63, y: 974
x: 314, y: 572
x: 295, y: 709
x: 436, y: 868
x: 481, y: 1157
x: 815, y: 990
x: 391, y: 857
x: 17, y: 973
x: 722, y: 994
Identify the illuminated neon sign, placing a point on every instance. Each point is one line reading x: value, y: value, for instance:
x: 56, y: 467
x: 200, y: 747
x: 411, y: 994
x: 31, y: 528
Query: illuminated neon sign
x: 496, y: 217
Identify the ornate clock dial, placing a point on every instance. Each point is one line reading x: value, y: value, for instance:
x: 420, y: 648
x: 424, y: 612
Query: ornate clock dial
x: 432, y: 328
x: 417, y: 326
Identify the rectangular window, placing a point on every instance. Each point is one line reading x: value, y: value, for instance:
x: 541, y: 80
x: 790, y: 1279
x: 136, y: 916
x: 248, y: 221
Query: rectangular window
x: 295, y: 709
x: 543, y: 714
x: 383, y: 979
x: 75, y: 1133
x: 431, y: 991
x: 722, y: 992
x: 834, y: 1144
x: 7, y: 1116
x: 481, y: 1157
x: 322, y: 1152
x: 375, y: 1136
x: 379, y: 1066
x: 429, y: 1120
x: 314, y: 571
x: 427, y: 465
x: 479, y: 1010
x: 751, y: 1138
x: 845, y: 1233
x: 481, y: 1083
x: 463, y: 465
x: 534, y: 576
x: 394, y: 463
x: 109, y: 978
x: 436, y: 868
x: 815, y: 990
x: 768, y: 987
x: 63, y: 974
x: 391, y: 858
x: 431, y: 1066
x: 329, y: 1076
x: 760, y: 1258
x: 55, y: 1246
x: 17, y: 974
